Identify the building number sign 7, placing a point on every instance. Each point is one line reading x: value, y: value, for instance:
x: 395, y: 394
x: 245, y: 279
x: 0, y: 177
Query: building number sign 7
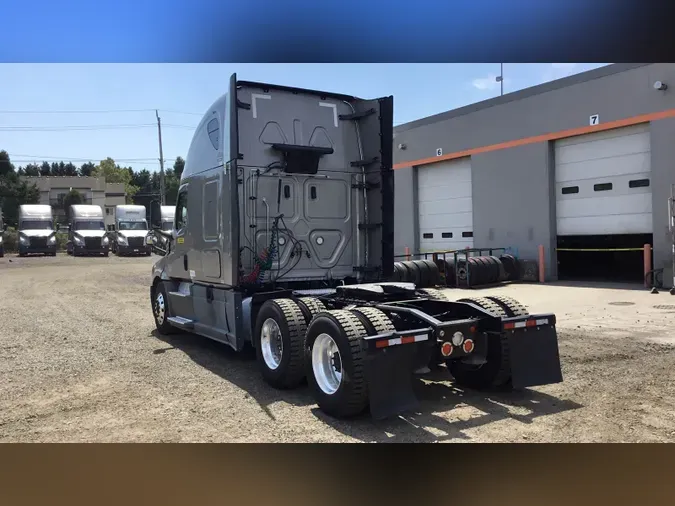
x: 594, y: 120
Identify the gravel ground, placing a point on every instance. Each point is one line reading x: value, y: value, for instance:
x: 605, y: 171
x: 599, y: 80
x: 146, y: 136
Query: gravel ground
x: 80, y: 361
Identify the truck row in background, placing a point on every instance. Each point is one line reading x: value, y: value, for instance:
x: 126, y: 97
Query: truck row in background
x: 86, y: 232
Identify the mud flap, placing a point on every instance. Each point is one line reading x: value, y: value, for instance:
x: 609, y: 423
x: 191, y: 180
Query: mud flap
x: 535, y: 359
x: 390, y: 380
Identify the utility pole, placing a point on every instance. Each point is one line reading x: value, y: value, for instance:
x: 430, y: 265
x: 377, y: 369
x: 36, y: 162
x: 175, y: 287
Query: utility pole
x: 161, y: 161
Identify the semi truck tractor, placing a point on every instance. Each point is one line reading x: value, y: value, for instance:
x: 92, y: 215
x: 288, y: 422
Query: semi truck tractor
x: 86, y: 233
x: 36, y: 230
x: 131, y: 235
x: 283, y: 240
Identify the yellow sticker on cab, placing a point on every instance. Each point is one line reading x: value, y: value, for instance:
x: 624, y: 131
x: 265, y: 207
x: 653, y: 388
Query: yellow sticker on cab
x: 181, y: 240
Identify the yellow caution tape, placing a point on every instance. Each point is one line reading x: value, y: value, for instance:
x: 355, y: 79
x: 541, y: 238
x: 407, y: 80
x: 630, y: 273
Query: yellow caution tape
x: 599, y: 249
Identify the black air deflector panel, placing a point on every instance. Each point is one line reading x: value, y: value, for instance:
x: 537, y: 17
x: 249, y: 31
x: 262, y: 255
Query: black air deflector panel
x: 301, y: 159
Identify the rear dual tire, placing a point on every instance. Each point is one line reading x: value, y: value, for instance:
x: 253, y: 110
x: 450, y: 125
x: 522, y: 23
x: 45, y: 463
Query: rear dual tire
x: 327, y: 353
x: 335, y: 363
x: 279, y: 339
x: 298, y: 339
x: 496, y: 371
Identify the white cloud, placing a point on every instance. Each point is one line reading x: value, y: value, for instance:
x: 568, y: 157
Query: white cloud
x: 488, y: 83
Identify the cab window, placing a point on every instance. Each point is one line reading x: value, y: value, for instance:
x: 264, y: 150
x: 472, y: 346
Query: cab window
x: 181, y: 210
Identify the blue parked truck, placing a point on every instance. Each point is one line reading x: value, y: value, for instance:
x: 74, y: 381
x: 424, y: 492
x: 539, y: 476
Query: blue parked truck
x: 283, y: 239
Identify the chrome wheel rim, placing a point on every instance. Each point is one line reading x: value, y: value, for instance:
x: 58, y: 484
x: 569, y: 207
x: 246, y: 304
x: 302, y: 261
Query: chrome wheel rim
x: 160, y: 308
x: 271, y: 343
x: 327, y: 364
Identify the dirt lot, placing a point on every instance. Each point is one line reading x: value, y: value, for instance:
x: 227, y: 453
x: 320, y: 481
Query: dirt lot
x: 80, y: 361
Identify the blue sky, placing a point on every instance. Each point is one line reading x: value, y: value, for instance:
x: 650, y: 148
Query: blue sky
x: 182, y: 92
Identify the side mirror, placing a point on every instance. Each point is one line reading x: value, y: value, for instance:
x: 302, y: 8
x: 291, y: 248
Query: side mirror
x: 155, y: 214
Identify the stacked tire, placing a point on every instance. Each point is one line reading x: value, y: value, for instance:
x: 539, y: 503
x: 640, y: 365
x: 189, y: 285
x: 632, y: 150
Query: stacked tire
x: 511, y: 267
x: 423, y: 273
x: 481, y: 270
x: 446, y: 270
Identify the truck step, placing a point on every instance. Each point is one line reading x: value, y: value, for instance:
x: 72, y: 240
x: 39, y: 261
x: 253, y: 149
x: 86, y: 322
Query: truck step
x: 183, y: 323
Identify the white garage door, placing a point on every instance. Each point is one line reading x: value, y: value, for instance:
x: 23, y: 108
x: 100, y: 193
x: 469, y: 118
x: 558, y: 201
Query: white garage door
x: 603, y: 183
x: 445, y: 214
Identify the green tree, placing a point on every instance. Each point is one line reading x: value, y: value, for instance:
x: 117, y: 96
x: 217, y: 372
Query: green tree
x: 69, y: 169
x: 45, y: 169
x: 143, y: 181
x: 113, y: 173
x: 178, y: 167
x: 73, y: 197
x: 31, y: 170
x: 87, y: 169
x: 13, y: 191
x: 171, y: 184
x: 6, y: 165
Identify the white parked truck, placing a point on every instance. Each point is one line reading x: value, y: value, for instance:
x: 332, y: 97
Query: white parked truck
x: 36, y: 230
x: 284, y: 239
x: 131, y: 235
x: 86, y: 233
x: 168, y: 214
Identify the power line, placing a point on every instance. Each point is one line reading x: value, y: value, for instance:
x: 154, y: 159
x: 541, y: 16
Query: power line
x: 179, y: 126
x: 77, y: 112
x: 33, y: 162
x: 81, y: 158
x: 35, y: 128
x: 113, y: 111
x: 86, y: 128
x: 182, y: 112
x: 103, y: 111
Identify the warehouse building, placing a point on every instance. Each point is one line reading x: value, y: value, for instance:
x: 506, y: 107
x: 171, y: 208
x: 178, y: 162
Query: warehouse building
x: 584, y: 162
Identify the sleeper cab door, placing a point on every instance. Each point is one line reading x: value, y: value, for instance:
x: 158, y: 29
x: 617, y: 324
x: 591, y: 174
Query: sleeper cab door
x: 179, y: 261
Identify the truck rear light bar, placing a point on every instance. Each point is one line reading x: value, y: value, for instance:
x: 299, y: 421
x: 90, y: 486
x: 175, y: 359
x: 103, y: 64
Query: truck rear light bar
x: 530, y: 322
x: 406, y: 339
